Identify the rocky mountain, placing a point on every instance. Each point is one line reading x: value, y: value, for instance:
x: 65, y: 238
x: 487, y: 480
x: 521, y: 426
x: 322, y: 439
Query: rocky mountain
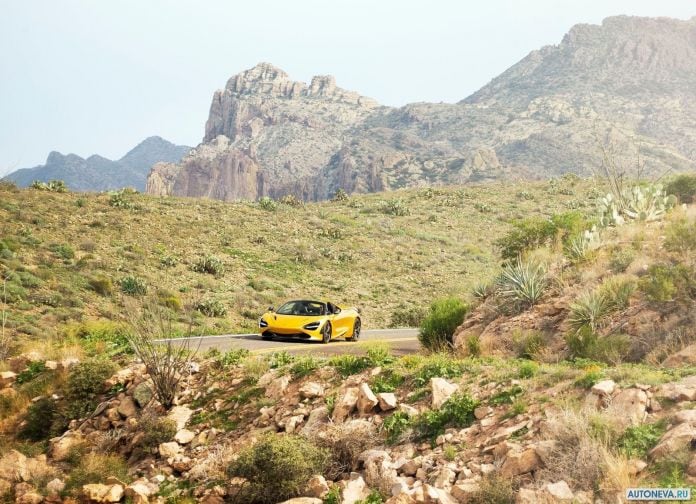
x: 628, y: 84
x: 97, y: 173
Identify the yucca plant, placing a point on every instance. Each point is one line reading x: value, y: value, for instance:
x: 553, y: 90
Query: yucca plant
x: 481, y: 290
x: 579, y: 247
x: 618, y: 291
x: 522, y: 282
x: 589, y: 311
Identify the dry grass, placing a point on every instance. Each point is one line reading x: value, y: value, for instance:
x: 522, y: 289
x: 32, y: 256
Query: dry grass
x: 345, y: 442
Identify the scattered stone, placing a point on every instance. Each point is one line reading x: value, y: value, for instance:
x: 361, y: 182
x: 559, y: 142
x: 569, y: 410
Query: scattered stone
x: 292, y: 423
x: 167, y: 450
x: 277, y: 387
x: 140, y: 491
x: 55, y: 486
x: 683, y: 390
x: 355, y: 488
x: 520, y: 463
x: 316, y: 417
x: 7, y: 378
x: 559, y: 491
x: 311, y: 390
x: 685, y: 416
x: 630, y: 406
x: 482, y: 412
x: 604, y: 388
x: 345, y: 404
x: 97, y: 492
x: 127, y: 407
x: 61, y: 447
x: 441, y: 391
x: 465, y: 491
x: 13, y: 467
x: 317, y: 486
x: 675, y: 439
x: 366, y: 399
x: 409, y: 410
x: 184, y: 436
x: 51, y: 364
x: 303, y: 500
x: 387, y: 401
x: 180, y: 463
x: 684, y: 357
x: 180, y: 415
x: 142, y: 394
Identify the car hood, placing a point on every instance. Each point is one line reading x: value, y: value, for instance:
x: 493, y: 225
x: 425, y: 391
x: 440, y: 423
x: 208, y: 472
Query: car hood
x: 298, y: 321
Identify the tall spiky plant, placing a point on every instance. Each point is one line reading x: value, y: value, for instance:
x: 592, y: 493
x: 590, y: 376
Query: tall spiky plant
x: 522, y: 282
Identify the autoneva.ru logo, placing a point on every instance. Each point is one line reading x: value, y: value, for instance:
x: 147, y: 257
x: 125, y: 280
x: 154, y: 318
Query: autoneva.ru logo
x: 658, y: 494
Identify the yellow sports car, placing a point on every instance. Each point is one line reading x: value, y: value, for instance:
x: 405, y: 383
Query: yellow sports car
x: 311, y: 320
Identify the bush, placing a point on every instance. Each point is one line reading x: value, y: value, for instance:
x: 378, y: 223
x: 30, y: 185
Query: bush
x: 344, y: 443
x: 387, y: 381
x: 680, y: 236
x: 290, y: 200
x: 121, y: 198
x: 683, y: 187
x: 38, y: 421
x: 209, y: 264
x: 534, y: 232
x: 101, y: 285
x: 340, y: 195
x: 587, y: 344
x: 233, y: 357
x: 457, y: 412
x: 211, y: 308
x: 50, y: 186
x: 393, y: 207
x: 437, y: 329
x: 637, y: 441
x: 667, y: 282
x: 395, y: 426
x: 277, y: 468
x: 100, y: 336
x: 85, y: 383
x: 133, y: 286
x: 588, y: 311
x: 522, y: 283
x: 438, y: 366
x: 156, y: 430
x: 618, y: 291
x: 621, y: 259
x: 94, y: 468
x: 528, y: 345
x: 268, y: 204
x: 493, y: 490
x: 63, y: 251
x: 348, y: 364
x: 528, y: 369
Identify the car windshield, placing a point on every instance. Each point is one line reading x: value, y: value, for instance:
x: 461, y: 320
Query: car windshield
x: 302, y: 308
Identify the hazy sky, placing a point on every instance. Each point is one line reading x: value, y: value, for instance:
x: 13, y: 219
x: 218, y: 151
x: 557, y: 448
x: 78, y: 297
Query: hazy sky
x: 99, y: 76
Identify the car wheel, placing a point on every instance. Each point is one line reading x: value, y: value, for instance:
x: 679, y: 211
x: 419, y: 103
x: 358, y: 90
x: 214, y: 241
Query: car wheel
x: 266, y: 337
x: 326, y: 333
x: 356, y: 330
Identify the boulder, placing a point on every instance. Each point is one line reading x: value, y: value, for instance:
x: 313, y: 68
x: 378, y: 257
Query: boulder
x: 61, y: 447
x: 401, y: 498
x: 184, y: 436
x: 482, y: 412
x: 127, y: 407
x: 438, y: 496
x: 29, y: 497
x: 528, y: 496
x: 55, y: 487
x: 683, y: 390
x: 520, y: 463
x: 675, y: 439
x: 685, y: 416
x: 5, y: 487
x: 559, y: 491
x: 464, y: 492
x: 441, y: 391
x: 142, y: 394
x: 167, y: 450
x: 684, y: 357
x: 140, y: 491
x: 379, y: 471
x: 51, y: 364
x: 7, y: 378
x: 98, y: 492
x: 604, y: 388
x: 276, y: 389
x: 345, y: 405
x: 316, y: 417
x: 629, y: 406
x: 387, y: 401
x: 180, y: 415
x: 311, y: 390
x: 292, y: 422
x: 355, y: 489
x: 317, y: 486
x: 367, y: 400
x: 13, y: 467
x: 180, y: 463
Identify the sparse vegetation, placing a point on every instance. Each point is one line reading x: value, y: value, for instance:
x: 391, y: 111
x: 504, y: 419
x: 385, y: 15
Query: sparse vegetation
x: 522, y: 283
x: 85, y: 383
x: 437, y: 329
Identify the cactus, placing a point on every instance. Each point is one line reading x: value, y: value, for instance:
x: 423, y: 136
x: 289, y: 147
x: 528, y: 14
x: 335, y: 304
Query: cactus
x: 642, y: 203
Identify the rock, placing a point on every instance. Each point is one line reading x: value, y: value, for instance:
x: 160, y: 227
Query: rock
x: 292, y: 423
x: 482, y: 412
x: 691, y: 468
x: 55, y: 486
x: 142, y: 394
x: 51, y: 364
x: 636, y: 466
x: 355, y: 489
x: 317, y: 486
x: 180, y: 415
x: 520, y: 463
x: 559, y: 491
x: 441, y: 390
x: 438, y: 496
x: 409, y: 410
x: 410, y: 467
x: 69, y: 362
x: 140, y: 491
x: 277, y: 388
x: 379, y: 472
x: 387, y: 401
x: 184, y: 436
x: 61, y: 447
x: 445, y: 478
x: 303, y: 500
x: 684, y: 357
x: 402, y: 498
x: 464, y: 492
x: 266, y: 379
x: 629, y: 406
x: 5, y: 488
x: 98, y: 492
x: 528, y: 496
x: 685, y: 416
x: 7, y: 378
x: 683, y: 390
x: 13, y: 467
x: 311, y: 390
x: 180, y: 463
x: 345, y: 405
x: 675, y: 439
x: 604, y: 388
x: 169, y: 449
x: 127, y: 407
x: 366, y: 399
x: 29, y: 497
x: 545, y: 448
x: 317, y: 416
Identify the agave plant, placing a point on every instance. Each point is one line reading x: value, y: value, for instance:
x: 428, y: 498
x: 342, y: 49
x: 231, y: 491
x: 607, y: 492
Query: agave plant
x: 580, y: 245
x: 589, y: 311
x: 522, y: 282
x: 642, y: 203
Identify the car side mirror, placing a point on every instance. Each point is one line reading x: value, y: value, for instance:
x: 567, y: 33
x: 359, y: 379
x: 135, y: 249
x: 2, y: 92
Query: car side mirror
x: 271, y: 309
x: 337, y: 311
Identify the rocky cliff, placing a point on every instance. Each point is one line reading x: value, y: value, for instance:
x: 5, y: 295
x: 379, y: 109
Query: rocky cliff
x: 629, y: 82
x: 97, y: 173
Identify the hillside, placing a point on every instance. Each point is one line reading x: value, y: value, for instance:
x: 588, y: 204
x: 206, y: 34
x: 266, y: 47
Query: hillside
x: 97, y: 173
x: 388, y: 254
x: 626, y: 84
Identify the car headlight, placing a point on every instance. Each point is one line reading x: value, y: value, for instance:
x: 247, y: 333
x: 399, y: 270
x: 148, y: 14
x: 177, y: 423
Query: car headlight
x: 312, y: 326
x: 263, y: 323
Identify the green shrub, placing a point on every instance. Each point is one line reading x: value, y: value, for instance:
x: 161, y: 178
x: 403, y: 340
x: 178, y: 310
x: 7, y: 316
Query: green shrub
x: 133, y: 285
x: 473, y: 345
x: 209, y: 264
x: 375, y: 497
x: 122, y: 198
x: 93, y: 468
x: 156, y: 430
x: 407, y: 316
x: 100, y: 337
x: 621, y: 259
x: 268, y: 204
x: 85, y: 383
x: 387, y: 381
x: 393, y: 207
x: 680, y: 236
x: 38, y: 421
x: 589, y: 310
x: 280, y: 359
x: 618, y: 291
x: 277, y: 468
x: 438, y: 366
x: 587, y: 344
x: 50, y: 186
x: 580, y: 247
x: 494, y: 490
x: 233, y: 357
x: 349, y: 364
x: 304, y: 366
x: 667, y: 282
x: 457, y: 412
x: 482, y: 290
x: 437, y: 329
x: 101, y: 285
x: 63, y: 251
x: 378, y: 353
x: 522, y: 283
x: 211, y: 308
x: 683, y: 187
x: 637, y: 441
x: 290, y: 200
x: 528, y: 369
x: 528, y: 344
x: 590, y: 377
x: 33, y: 370
x: 506, y: 396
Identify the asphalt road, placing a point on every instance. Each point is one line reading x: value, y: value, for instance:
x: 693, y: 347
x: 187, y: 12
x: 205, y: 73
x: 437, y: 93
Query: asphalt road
x: 402, y: 341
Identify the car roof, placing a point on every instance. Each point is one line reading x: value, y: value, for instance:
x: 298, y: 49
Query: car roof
x: 305, y: 301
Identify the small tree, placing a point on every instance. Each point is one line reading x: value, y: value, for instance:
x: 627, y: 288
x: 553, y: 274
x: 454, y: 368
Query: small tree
x: 166, y: 359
